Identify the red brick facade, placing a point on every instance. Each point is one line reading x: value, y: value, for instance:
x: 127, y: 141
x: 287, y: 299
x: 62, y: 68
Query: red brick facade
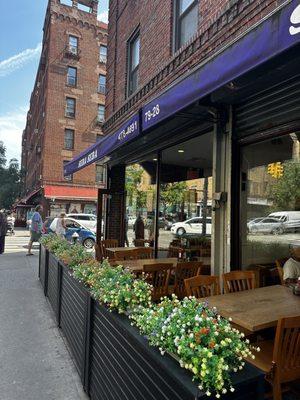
x: 43, y: 139
x: 219, y: 23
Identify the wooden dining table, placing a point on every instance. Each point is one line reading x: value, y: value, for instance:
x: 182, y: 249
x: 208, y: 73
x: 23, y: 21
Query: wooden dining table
x: 136, y: 266
x: 257, y: 309
x: 113, y: 250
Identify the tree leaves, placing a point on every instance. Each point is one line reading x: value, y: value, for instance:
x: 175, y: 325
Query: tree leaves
x: 10, y: 179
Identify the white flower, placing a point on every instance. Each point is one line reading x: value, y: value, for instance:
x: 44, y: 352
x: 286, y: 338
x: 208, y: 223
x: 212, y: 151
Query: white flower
x: 218, y: 396
x: 208, y: 393
x: 232, y: 389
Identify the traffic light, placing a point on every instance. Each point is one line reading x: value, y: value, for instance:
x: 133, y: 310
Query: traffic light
x: 275, y: 170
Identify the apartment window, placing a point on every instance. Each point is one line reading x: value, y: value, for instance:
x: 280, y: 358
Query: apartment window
x: 101, y: 84
x: 70, y: 107
x: 133, y: 63
x: 68, y: 177
x: 103, y: 54
x: 186, y: 21
x: 101, y: 113
x: 69, y: 139
x: 100, y: 173
x: 72, y: 76
x: 73, y: 44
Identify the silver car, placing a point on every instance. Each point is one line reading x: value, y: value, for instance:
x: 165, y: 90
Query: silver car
x: 265, y: 225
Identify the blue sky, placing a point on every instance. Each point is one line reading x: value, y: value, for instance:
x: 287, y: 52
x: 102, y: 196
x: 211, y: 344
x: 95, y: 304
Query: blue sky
x: 21, y: 24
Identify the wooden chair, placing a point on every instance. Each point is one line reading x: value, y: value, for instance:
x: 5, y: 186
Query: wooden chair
x: 104, y: 244
x: 139, y: 242
x: 158, y: 275
x: 145, y: 253
x: 185, y: 270
x: 237, y: 281
x: 123, y: 255
x: 280, y: 360
x: 202, y: 286
x: 175, y: 252
x: 279, y: 265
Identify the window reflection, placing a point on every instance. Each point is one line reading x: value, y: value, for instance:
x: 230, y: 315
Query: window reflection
x: 140, y: 202
x: 185, y: 224
x: 270, y: 200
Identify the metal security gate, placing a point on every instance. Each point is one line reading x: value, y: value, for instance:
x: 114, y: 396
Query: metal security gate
x: 276, y: 109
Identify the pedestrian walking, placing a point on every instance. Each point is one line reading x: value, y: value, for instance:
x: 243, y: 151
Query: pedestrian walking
x: 139, y: 228
x: 35, y: 228
x: 3, y: 228
x: 61, y: 227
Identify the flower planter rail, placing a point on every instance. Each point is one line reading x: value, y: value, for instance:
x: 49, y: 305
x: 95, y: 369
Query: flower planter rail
x: 113, y: 360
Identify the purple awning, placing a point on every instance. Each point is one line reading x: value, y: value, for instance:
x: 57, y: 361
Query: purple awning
x: 270, y: 38
x: 105, y: 146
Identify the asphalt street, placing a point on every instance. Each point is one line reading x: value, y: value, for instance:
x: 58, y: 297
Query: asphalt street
x: 34, y: 361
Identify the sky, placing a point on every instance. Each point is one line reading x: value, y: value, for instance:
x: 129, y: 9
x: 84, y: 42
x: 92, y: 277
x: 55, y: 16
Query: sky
x: 21, y: 29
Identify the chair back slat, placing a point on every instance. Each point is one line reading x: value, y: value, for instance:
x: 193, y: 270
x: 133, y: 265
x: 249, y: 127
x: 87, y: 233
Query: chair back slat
x: 237, y: 281
x: 286, y: 354
x: 158, y: 275
x: 202, y: 286
x: 126, y: 255
x: 144, y: 253
x: 108, y: 243
x: 185, y: 270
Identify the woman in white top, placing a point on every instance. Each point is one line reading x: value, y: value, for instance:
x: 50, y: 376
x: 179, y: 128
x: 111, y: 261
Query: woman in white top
x: 60, y: 229
x: 291, y: 269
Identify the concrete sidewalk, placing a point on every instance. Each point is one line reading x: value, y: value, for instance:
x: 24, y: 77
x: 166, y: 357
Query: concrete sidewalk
x: 34, y: 361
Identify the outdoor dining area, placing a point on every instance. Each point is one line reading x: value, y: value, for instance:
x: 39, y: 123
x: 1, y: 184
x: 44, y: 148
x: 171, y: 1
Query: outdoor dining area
x: 268, y: 316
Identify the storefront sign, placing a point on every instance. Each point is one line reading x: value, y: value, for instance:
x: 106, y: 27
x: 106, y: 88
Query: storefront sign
x: 104, y: 147
x: 270, y: 38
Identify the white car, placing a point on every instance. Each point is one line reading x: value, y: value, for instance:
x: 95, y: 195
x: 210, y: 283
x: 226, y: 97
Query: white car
x: 192, y: 225
x: 89, y: 221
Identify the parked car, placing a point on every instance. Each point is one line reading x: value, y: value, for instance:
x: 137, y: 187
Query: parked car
x: 289, y: 219
x: 192, y: 225
x: 87, y: 220
x: 266, y: 225
x: 86, y: 237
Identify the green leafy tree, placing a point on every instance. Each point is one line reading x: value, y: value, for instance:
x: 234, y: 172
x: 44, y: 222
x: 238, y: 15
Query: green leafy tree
x: 135, y: 195
x: 10, y: 182
x: 285, y: 193
x: 172, y: 194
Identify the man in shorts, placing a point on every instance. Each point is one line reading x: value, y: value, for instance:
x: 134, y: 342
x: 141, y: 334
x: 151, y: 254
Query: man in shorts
x: 35, y: 228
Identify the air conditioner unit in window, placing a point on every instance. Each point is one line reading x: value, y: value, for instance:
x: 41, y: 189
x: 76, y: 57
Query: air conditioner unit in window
x: 38, y: 84
x: 36, y: 130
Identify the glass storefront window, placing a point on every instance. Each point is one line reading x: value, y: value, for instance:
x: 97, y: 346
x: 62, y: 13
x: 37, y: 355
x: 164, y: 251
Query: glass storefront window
x: 270, y: 200
x: 185, y: 223
x: 140, y: 201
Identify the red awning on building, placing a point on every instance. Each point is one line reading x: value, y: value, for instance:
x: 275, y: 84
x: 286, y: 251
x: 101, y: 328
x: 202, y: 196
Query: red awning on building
x: 70, y: 193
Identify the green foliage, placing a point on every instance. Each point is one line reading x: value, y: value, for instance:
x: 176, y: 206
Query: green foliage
x: 10, y: 179
x: 205, y: 343
x: 172, y: 194
x: 135, y: 195
x: 286, y: 190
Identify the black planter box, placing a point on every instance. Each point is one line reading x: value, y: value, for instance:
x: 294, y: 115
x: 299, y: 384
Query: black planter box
x: 53, y: 285
x: 113, y: 360
x: 43, y: 267
x: 124, y: 366
x: 73, y: 317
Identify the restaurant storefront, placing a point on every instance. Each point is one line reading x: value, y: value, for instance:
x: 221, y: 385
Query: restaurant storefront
x: 206, y: 162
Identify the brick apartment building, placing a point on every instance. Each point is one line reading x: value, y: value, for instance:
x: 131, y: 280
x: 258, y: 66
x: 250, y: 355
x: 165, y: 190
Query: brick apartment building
x: 203, y: 89
x: 66, y: 109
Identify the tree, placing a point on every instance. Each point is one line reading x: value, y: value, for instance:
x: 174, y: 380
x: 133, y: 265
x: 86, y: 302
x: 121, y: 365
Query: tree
x: 135, y: 195
x: 172, y: 194
x: 10, y: 183
x: 285, y: 193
